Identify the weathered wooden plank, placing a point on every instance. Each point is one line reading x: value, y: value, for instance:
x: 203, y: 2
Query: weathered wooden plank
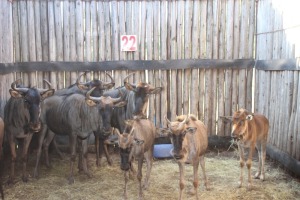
x: 208, y: 106
x: 79, y: 29
x: 180, y: 50
x: 73, y: 38
x: 252, y: 21
x: 236, y: 28
x: 38, y: 43
x: 209, y: 31
x: 291, y: 124
x: 87, y: 32
x: 94, y: 31
x: 173, y: 55
x: 24, y: 39
x: 297, y: 126
x: 203, y: 24
x: 59, y: 40
x: 67, y: 39
x: 187, y: 55
x: 52, y: 41
x: 164, y: 74
x: 244, y: 27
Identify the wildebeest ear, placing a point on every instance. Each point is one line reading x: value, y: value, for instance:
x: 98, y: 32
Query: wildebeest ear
x: 129, y: 122
x: 155, y: 90
x: 15, y: 94
x: 249, y: 117
x: 163, y: 132
x: 129, y: 86
x: 138, y: 142
x: 191, y: 130
x: 47, y: 93
x: 90, y: 102
x: 120, y: 104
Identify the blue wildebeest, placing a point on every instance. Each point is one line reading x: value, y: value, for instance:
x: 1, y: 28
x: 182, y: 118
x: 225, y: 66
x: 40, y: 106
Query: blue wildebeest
x: 82, y: 88
x: 22, y: 119
x: 137, y: 142
x: 250, y: 130
x: 189, y: 138
x: 77, y: 116
x: 136, y: 96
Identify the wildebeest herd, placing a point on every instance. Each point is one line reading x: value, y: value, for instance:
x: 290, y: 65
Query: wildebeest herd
x: 94, y: 107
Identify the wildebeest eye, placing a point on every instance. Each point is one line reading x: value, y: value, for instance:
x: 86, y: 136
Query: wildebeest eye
x: 241, y: 123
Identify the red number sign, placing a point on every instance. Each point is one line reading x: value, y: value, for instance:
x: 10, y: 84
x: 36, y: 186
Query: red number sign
x: 128, y: 43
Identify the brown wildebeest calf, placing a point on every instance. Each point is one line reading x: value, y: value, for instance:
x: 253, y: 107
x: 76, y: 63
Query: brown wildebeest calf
x: 250, y: 131
x: 137, y: 142
x: 189, y: 138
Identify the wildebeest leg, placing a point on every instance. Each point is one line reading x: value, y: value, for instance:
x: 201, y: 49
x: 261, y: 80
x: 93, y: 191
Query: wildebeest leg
x: 202, y: 163
x: 84, y: 156
x: 46, y: 144
x: 139, y: 176
x: 249, y: 163
x: 41, y: 139
x: 258, y: 173
x: 126, y: 176
x: 60, y: 154
x: 242, y: 164
x: 132, y: 171
x: 194, y: 190
x: 105, y: 148
x: 97, y: 149
x: 149, y: 161
x: 181, y: 180
x: 262, y: 159
x: 73, y: 157
x: 26, y: 142
x: 12, y: 144
x: 79, y: 151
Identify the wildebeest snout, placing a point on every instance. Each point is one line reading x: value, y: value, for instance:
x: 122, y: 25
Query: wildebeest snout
x: 35, y: 127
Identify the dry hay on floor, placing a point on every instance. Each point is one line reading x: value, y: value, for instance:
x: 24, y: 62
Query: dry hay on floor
x: 108, y: 181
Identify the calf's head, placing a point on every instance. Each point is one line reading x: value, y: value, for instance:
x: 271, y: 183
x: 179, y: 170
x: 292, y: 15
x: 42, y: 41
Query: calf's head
x: 141, y: 94
x: 240, y: 122
x: 129, y: 146
x: 32, y: 98
x: 177, y: 131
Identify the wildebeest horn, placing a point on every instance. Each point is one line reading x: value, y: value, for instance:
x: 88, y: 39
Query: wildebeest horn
x: 88, y: 95
x: 77, y: 80
x: 183, y: 122
x: 168, y: 121
x: 127, y: 77
x: 44, y: 90
x: 109, y: 85
x: 13, y: 86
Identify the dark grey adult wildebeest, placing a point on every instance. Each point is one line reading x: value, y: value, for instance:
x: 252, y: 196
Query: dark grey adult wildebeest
x: 77, y: 116
x: 22, y: 120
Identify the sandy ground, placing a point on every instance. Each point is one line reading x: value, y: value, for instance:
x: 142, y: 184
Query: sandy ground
x: 108, y: 181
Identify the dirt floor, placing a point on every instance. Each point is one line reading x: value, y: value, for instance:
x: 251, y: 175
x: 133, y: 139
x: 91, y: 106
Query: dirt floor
x: 108, y: 181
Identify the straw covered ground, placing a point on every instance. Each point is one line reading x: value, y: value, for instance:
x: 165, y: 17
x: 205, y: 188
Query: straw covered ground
x: 108, y: 181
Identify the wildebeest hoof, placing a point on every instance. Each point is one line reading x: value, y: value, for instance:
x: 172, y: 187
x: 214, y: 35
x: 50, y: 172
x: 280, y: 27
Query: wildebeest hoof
x: 240, y: 184
x: 110, y: 162
x: 192, y: 191
x: 25, y: 179
x: 249, y: 187
x: 71, y: 180
x: 35, y: 175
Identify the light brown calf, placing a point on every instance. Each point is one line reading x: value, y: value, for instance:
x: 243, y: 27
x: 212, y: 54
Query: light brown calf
x: 189, y: 138
x: 250, y: 131
x: 137, y: 142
